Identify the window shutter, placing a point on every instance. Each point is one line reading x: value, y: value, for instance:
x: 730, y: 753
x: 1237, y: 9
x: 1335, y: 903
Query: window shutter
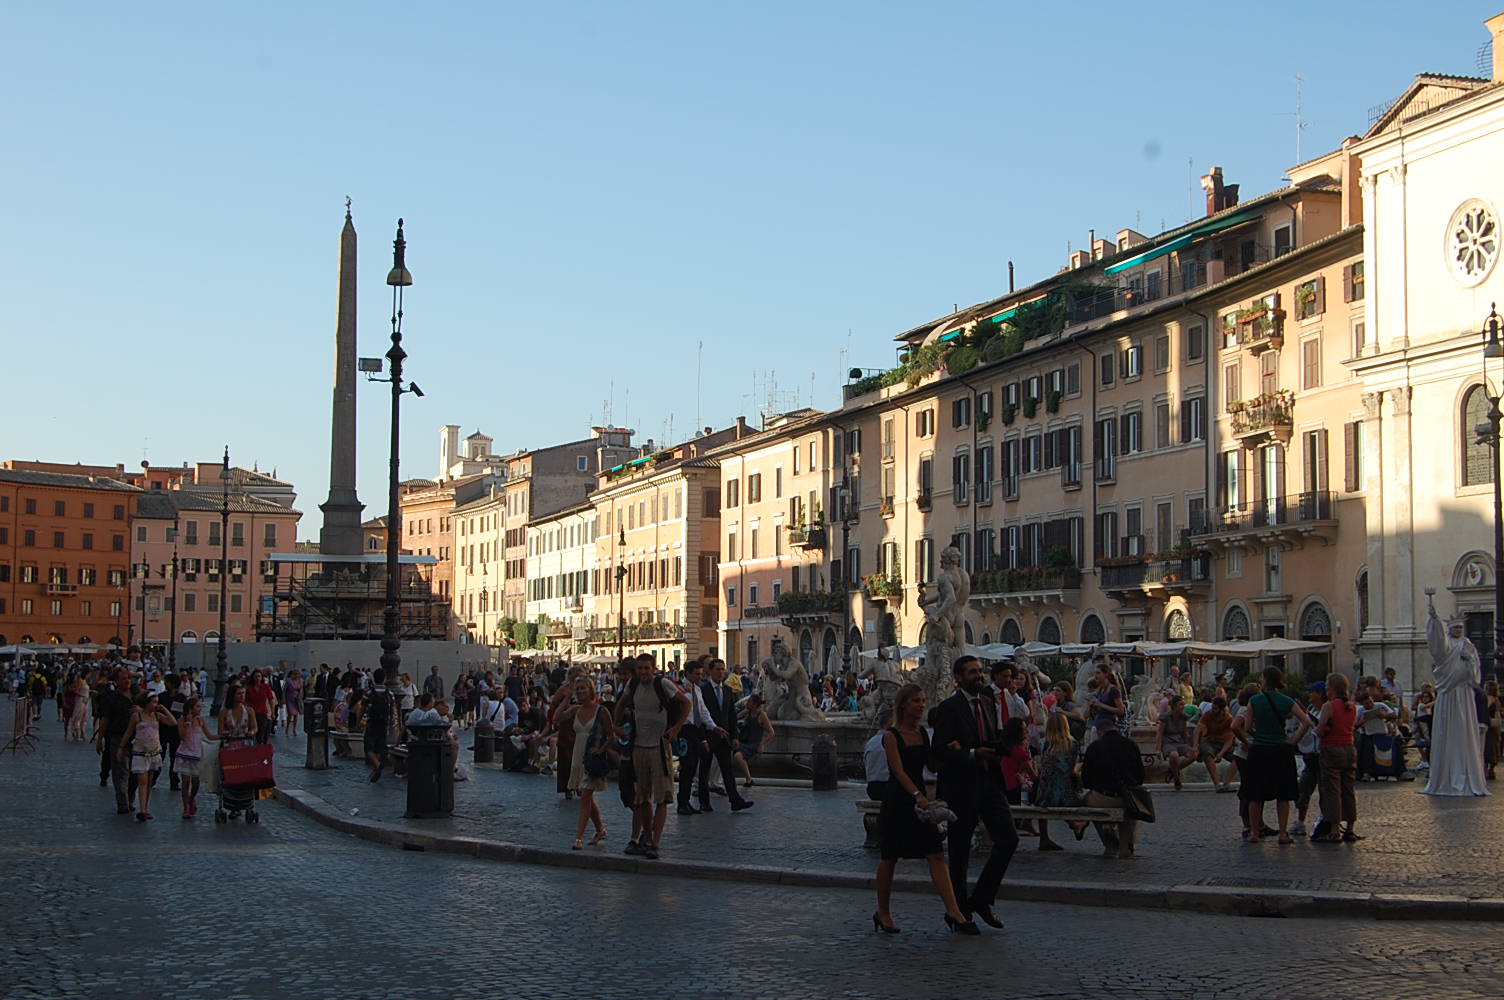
x: 1350, y: 457
x: 1320, y: 295
x: 1123, y: 434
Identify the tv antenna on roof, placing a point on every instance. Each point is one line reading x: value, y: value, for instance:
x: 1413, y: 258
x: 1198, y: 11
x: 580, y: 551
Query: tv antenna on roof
x: 1300, y: 122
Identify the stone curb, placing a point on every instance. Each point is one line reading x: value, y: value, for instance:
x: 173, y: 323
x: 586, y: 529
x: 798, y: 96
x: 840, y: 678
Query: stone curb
x: 1246, y: 901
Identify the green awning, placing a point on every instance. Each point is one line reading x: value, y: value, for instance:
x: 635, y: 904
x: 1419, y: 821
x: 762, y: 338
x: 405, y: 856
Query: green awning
x: 1144, y: 258
x: 1178, y: 242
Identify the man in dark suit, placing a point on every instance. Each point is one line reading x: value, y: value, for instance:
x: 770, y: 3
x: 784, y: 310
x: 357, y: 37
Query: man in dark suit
x: 720, y: 701
x: 696, y: 758
x: 964, y: 740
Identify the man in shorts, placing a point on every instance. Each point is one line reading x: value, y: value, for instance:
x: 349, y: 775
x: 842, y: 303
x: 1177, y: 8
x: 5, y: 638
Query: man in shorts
x: 657, y: 708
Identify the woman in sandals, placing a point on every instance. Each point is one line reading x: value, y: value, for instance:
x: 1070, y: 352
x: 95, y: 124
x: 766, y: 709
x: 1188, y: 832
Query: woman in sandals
x: 193, y: 730
x: 144, y: 738
x: 593, y: 732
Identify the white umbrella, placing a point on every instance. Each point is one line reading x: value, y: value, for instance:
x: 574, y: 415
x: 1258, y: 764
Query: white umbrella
x: 17, y: 651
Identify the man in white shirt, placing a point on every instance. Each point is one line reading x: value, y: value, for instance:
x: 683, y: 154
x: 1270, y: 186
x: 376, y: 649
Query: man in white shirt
x: 696, y: 759
x: 425, y: 714
x: 1005, y: 696
x: 875, y: 762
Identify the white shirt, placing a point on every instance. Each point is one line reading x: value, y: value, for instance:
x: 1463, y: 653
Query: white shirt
x: 699, y: 715
x: 875, y: 758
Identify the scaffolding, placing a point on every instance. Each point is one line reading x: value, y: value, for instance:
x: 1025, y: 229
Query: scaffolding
x: 344, y: 597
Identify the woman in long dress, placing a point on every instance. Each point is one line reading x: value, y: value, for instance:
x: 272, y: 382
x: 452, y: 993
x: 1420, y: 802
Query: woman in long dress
x: 1456, y: 751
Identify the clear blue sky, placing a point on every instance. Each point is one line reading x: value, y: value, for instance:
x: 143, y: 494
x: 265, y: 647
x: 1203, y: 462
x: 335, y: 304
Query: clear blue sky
x: 593, y: 189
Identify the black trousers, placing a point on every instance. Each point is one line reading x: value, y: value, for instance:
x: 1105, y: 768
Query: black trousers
x: 720, y: 752
x: 694, y: 761
x: 990, y: 808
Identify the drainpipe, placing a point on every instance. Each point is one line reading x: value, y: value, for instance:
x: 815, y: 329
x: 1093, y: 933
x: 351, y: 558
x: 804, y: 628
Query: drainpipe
x: 1213, y: 372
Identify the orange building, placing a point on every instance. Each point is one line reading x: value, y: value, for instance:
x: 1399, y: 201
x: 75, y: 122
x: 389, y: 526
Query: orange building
x: 64, y: 557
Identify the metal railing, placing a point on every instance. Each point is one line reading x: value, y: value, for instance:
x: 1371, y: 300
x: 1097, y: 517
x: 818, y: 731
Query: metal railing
x: 1296, y: 509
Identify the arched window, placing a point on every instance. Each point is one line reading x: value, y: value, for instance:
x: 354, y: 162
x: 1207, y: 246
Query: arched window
x: 827, y: 647
x: 55, y: 639
x: 1177, y: 626
x: 1092, y: 630
x: 986, y: 638
x: 188, y: 636
x: 969, y: 639
x: 752, y: 651
x: 1049, y: 631
x: 211, y: 636
x: 854, y: 643
x: 1316, y: 624
x: 1012, y: 634
x: 1477, y: 458
x: 806, y: 648
x: 1235, y: 624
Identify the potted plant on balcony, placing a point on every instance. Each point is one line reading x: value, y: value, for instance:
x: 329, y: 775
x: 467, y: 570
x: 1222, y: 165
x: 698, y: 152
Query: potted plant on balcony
x: 1052, y: 401
x: 1031, y: 405
x: 1010, y: 411
x: 886, y: 507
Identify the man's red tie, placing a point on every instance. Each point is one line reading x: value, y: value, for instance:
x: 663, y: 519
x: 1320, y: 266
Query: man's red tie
x: 976, y: 704
x: 1002, y: 700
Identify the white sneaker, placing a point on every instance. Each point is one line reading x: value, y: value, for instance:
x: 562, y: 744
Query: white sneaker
x: 1297, y: 829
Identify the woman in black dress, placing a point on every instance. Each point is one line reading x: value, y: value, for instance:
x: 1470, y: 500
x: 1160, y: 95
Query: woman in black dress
x: 904, y: 834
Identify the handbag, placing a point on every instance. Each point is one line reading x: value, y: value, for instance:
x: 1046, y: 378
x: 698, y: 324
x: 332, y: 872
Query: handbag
x: 1138, y: 803
x: 248, y: 767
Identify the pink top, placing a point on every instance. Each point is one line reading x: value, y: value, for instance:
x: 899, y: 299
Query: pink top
x: 1013, y: 764
x: 1338, y: 732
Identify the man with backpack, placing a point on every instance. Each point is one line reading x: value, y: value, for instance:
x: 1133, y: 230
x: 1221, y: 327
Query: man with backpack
x: 657, y: 708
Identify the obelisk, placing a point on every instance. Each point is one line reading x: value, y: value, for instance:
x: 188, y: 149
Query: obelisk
x: 341, y: 534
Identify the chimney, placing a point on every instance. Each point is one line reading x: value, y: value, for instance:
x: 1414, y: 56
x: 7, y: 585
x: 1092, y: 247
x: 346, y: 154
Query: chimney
x: 741, y: 428
x: 1219, y: 196
x: 1495, y: 26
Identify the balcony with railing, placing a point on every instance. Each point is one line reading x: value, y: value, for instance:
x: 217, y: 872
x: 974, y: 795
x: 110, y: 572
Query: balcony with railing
x: 1277, y: 520
x: 1059, y: 585
x: 807, y: 536
x: 1176, y: 571
x: 1136, y: 290
x: 1270, y: 416
x: 810, y: 605
x: 638, y: 632
x: 1261, y: 328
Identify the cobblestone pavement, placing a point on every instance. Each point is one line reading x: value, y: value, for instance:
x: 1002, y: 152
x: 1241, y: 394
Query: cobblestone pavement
x: 1415, y: 844
x: 100, y: 906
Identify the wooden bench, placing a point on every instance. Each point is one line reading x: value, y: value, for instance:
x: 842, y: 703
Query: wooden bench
x: 872, y: 823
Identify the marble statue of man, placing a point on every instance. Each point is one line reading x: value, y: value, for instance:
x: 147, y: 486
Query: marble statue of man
x: 945, y: 626
x: 1456, y: 751
x: 797, y: 704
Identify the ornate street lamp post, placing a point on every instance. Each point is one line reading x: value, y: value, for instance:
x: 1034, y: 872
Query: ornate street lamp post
x: 399, y: 277
x: 220, y: 669
x: 1489, y: 433
x: 621, y: 594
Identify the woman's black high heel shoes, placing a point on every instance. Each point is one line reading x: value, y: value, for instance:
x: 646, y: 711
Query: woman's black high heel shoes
x: 962, y: 926
x: 878, y: 925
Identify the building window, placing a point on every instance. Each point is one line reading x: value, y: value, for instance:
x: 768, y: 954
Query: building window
x: 1133, y: 361
x: 778, y: 482
x: 733, y: 493
x: 56, y: 608
x: 1352, y: 282
x: 31, y: 505
x: 961, y: 478
x: 960, y: 412
x: 1195, y: 342
x: 1232, y: 385
x: 1477, y: 457
x: 1229, y: 493
x: 237, y: 534
x: 1131, y: 439
x: 26, y: 606
x: 29, y: 537
x: 1269, y: 372
x: 754, y: 487
x: 1108, y: 365
x: 1106, y: 448
x: 117, y: 543
x: 140, y: 532
x: 581, y: 463
x: 752, y: 595
x: 119, y: 514
x: 236, y: 603
x: 1162, y: 353
x: 730, y: 595
x: 1163, y: 437
x: 1310, y: 298
x: 1360, y: 337
x: 59, y: 508
x: 269, y: 538
x: 1193, y: 419
x: 58, y: 540
x: 1283, y: 241
x: 1310, y: 363
x: 984, y: 474
x: 190, y: 602
x: 1271, y: 570
x: 1352, y: 450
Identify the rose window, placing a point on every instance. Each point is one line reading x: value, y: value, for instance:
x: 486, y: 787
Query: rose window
x: 1472, y: 242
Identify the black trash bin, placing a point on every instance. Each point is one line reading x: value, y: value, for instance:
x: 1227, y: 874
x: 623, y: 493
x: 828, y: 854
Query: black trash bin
x: 430, y: 772
x: 316, y: 724
x: 485, y: 742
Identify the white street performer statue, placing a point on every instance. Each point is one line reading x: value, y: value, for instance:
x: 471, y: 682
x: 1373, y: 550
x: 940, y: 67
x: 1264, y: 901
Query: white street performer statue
x: 1456, y: 750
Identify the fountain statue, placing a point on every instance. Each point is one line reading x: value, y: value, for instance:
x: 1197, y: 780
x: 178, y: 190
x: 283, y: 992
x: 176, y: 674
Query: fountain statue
x: 794, y: 703
x: 945, y: 629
